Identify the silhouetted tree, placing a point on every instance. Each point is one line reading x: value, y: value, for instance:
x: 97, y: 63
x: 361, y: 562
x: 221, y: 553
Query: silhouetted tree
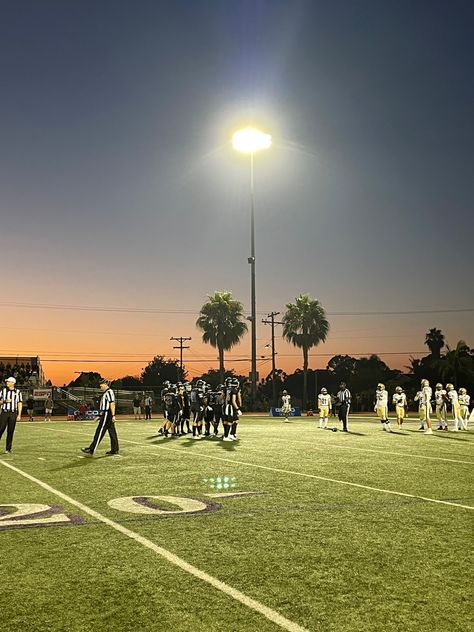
x: 221, y: 321
x: 434, y: 340
x: 159, y: 370
x: 305, y: 326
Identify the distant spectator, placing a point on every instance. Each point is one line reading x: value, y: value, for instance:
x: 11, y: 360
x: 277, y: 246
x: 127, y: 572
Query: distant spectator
x: 137, y: 411
x: 82, y: 410
x: 148, y: 404
x: 30, y: 407
x: 48, y: 408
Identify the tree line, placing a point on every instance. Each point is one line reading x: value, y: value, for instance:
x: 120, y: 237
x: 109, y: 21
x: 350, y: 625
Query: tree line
x: 305, y: 325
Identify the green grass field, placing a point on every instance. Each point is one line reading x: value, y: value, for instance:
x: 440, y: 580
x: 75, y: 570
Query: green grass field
x: 366, y: 531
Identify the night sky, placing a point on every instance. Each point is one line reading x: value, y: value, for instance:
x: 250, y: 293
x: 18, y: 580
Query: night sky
x: 119, y: 187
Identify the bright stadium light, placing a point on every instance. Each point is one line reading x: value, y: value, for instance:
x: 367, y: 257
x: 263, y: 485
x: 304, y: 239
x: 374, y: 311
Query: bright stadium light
x: 248, y: 141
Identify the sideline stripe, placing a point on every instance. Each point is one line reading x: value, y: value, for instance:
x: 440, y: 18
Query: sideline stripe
x: 270, y: 614
x: 282, y: 471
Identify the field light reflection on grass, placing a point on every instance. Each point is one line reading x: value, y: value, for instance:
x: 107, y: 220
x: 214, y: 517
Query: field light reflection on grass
x: 220, y: 482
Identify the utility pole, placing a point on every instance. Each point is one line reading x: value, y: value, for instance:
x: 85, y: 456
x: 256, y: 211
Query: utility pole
x: 181, y: 339
x: 273, y: 322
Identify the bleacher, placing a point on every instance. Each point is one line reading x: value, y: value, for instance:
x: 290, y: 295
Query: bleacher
x: 27, y: 371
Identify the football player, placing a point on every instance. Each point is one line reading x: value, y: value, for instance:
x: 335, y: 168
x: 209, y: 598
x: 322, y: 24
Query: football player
x: 400, y: 400
x: 381, y: 407
x: 218, y: 403
x: 164, y: 392
x: 464, y: 401
x: 208, y: 414
x: 453, y: 399
x: 285, y: 404
x: 324, y: 406
x: 186, y: 412
x: 173, y: 409
x: 427, y: 393
x: 423, y: 397
x: 232, y: 409
x: 197, y: 408
x: 421, y: 412
x: 441, y: 412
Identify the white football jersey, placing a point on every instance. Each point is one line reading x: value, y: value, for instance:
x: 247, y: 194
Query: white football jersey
x: 381, y: 399
x: 453, y: 397
x: 400, y: 399
x: 464, y: 400
x: 324, y: 400
x: 285, y: 401
x: 439, y: 396
x: 427, y: 392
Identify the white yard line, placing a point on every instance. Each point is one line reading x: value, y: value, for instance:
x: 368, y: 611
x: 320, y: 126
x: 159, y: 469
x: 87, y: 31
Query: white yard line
x: 283, y: 471
x: 349, y: 447
x: 270, y: 614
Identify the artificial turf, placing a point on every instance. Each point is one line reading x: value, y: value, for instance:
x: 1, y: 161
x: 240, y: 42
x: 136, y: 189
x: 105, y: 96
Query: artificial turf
x: 325, y: 554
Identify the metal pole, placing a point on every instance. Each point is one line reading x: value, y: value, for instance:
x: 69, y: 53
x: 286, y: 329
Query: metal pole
x: 180, y: 339
x: 253, y: 299
x: 273, y: 322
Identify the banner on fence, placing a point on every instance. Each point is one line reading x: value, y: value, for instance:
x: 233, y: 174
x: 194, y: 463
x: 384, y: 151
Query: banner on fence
x: 42, y: 393
x: 276, y: 412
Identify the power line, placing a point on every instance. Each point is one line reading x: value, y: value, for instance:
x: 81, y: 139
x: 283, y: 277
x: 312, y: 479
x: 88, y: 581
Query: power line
x: 151, y: 310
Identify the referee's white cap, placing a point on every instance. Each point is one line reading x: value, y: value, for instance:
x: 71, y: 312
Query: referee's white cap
x: 11, y: 379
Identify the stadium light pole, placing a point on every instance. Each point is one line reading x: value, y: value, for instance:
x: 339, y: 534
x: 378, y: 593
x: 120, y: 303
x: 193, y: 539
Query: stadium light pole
x: 248, y: 141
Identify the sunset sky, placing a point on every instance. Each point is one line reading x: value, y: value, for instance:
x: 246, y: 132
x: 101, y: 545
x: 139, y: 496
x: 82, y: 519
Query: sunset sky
x: 123, y: 204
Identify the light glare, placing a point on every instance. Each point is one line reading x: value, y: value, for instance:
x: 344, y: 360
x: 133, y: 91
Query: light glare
x: 250, y: 140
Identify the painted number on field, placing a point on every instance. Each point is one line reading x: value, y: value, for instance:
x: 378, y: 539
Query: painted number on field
x: 20, y: 515
x: 156, y: 505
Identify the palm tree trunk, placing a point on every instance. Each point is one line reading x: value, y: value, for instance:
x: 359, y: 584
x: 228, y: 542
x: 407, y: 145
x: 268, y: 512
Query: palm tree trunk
x: 221, y: 364
x: 305, y: 378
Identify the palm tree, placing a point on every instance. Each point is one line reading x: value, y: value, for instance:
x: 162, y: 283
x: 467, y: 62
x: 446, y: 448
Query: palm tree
x: 221, y: 321
x: 434, y: 340
x: 457, y: 364
x: 305, y: 326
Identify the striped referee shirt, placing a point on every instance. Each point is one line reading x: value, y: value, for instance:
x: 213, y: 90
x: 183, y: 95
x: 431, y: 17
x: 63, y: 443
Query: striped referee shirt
x: 15, y: 398
x: 107, y: 398
x: 344, y: 396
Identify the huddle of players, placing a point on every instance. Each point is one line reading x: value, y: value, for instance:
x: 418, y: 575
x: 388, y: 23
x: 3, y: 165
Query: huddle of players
x: 198, y: 406
x: 459, y: 404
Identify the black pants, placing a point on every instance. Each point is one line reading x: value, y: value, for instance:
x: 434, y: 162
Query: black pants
x: 147, y: 412
x: 343, y: 414
x: 8, y: 421
x: 105, y: 425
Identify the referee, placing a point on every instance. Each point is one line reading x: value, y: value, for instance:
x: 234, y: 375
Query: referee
x: 343, y: 403
x: 11, y: 404
x: 106, y: 421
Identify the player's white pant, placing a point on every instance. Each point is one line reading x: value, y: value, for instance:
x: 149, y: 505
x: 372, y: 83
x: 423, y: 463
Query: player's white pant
x: 285, y: 411
x: 464, y: 416
x: 323, y: 416
x: 457, y: 416
x: 442, y: 415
